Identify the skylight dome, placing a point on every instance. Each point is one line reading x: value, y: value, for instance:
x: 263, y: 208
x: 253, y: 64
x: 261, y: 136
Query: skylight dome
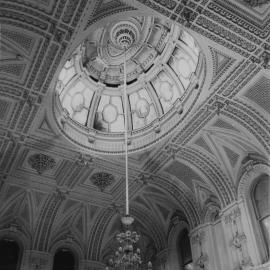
x: 162, y: 70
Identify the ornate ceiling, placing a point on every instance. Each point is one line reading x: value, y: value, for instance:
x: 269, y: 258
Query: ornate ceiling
x: 52, y: 190
x: 164, y: 66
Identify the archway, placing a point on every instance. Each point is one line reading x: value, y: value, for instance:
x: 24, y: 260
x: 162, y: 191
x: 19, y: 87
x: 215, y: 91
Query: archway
x: 64, y: 259
x: 184, y: 250
x: 9, y: 254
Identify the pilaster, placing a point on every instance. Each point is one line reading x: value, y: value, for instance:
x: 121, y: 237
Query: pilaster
x: 235, y: 237
x: 199, y: 247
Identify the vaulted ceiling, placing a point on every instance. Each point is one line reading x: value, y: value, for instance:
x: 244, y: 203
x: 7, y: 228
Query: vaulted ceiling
x: 52, y: 189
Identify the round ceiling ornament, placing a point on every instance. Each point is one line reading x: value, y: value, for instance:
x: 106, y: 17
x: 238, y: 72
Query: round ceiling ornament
x: 124, y: 34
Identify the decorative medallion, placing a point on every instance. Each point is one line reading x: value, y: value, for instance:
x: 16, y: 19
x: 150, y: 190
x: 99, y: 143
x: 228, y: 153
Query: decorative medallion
x: 102, y: 180
x: 124, y: 34
x: 41, y: 162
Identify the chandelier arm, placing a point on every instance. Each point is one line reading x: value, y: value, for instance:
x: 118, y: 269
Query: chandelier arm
x: 126, y: 133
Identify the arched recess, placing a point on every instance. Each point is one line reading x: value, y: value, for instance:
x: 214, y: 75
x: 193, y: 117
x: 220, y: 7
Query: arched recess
x: 152, y: 226
x: 15, y: 232
x: 183, y: 197
x: 223, y: 187
x: 71, y: 245
x: 17, y: 238
x: 245, y: 193
x: 178, y: 232
x: 65, y: 259
x: 211, y: 210
x: 10, y: 254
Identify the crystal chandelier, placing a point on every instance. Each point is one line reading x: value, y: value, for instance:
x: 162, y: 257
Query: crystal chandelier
x: 128, y: 255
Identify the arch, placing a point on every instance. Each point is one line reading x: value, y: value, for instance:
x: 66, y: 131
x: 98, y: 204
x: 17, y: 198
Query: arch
x: 260, y: 196
x: 155, y: 230
x: 179, y: 229
x: 71, y: 245
x: 184, y: 250
x: 17, y: 235
x: 10, y: 253
x: 245, y: 193
x: 247, y: 179
x: 222, y: 186
x: 64, y: 259
x: 183, y: 197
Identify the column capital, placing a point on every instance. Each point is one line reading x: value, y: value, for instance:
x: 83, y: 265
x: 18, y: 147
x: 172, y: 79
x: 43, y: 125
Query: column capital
x: 231, y: 213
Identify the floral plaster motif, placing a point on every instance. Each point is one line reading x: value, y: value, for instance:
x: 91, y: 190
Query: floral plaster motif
x: 102, y: 180
x: 232, y: 215
x: 41, y: 162
x: 201, y: 261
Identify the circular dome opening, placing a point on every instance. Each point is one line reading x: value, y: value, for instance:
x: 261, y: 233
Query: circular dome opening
x: 162, y: 66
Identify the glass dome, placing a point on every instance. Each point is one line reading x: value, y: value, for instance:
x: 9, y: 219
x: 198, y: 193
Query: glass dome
x: 161, y: 65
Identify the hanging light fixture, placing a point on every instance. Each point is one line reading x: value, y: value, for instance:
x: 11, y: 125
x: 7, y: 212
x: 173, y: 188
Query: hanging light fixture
x: 128, y: 255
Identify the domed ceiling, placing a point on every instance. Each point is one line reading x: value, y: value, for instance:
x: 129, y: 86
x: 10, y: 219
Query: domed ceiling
x: 161, y: 73
x: 56, y: 188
